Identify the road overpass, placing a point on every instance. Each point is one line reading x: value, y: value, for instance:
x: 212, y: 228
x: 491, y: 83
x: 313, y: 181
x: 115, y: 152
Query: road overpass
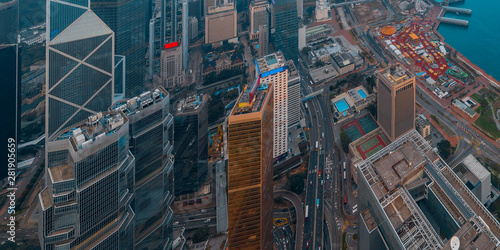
x: 295, y: 200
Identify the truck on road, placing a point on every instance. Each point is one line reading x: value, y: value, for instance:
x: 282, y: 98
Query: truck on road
x: 307, y: 212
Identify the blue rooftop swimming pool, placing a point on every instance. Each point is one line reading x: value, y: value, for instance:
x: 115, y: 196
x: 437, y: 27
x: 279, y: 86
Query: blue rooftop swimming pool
x: 341, y: 105
x: 362, y: 93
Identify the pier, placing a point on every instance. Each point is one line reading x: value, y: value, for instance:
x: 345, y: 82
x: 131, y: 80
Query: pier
x: 453, y: 21
x: 459, y: 10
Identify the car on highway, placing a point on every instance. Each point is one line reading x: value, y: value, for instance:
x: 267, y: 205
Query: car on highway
x: 307, y: 244
x: 284, y: 231
x: 310, y: 183
x: 207, y: 220
x: 319, y: 173
x: 203, y: 210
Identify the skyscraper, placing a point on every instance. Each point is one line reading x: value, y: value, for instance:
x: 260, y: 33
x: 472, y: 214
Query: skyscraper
x: 396, y: 101
x: 286, y: 35
x: 10, y: 75
x: 80, y: 73
x: 293, y: 94
x: 191, y: 138
x: 193, y: 27
x: 185, y: 34
x: 272, y: 68
x: 86, y: 203
x: 263, y: 40
x: 11, y: 97
x: 129, y: 20
x: 300, y: 8
x: 151, y: 142
x: 60, y: 14
x: 250, y: 169
x: 259, y: 15
x: 220, y: 23
x: 9, y: 18
x: 172, y: 74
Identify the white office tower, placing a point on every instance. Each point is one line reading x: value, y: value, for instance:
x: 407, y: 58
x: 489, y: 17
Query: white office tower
x: 273, y: 68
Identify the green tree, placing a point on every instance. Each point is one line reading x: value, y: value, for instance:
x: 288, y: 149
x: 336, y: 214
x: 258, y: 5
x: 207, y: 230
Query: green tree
x: 216, y: 109
x: 345, y: 140
x: 319, y: 63
x: 296, y: 182
x: 444, y: 148
x: 372, y: 108
x: 332, y: 88
x: 201, y: 234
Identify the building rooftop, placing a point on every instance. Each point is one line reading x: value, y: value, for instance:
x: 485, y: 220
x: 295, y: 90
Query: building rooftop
x: 367, y: 218
x: 190, y: 104
x: 220, y: 8
x: 62, y: 172
x: 140, y: 102
x: 256, y: 3
x: 422, y: 121
x: 46, y: 199
x: 472, y: 169
x: 268, y: 63
x: 323, y: 5
x: 464, y: 107
x: 469, y: 236
x: 398, y: 165
x: 395, y: 74
x: 292, y: 70
x: 392, y: 171
x: 323, y: 73
x: 476, y: 167
x: 95, y: 128
x: 343, y: 59
x: 318, y: 29
x: 252, y: 98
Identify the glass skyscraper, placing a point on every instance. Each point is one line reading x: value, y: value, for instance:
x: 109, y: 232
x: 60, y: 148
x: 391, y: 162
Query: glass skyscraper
x: 9, y: 20
x: 86, y: 203
x: 129, y: 20
x: 9, y: 73
x: 80, y: 63
x: 151, y: 142
x: 286, y: 36
x: 61, y: 14
x: 250, y: 169
x: 191, y: 139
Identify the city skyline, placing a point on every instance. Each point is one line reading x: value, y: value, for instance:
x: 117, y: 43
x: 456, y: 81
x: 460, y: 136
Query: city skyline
x: 254, y: 124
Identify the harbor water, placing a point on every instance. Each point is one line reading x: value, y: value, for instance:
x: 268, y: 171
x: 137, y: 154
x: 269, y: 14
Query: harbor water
x: 480, y: 41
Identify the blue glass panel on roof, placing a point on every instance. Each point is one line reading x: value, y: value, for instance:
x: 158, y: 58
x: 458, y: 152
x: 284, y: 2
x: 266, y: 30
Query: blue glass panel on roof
x: 274, y: 71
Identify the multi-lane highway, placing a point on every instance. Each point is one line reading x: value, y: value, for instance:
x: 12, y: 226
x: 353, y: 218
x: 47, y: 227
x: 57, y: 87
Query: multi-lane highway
x: 295, y: 200
x: 317, y: 234
x: 487, y: 148
x: 196, y: 219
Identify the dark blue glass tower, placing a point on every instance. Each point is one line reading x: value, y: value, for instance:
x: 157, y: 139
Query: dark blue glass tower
x: 129, y: 20
x: 286, y: 35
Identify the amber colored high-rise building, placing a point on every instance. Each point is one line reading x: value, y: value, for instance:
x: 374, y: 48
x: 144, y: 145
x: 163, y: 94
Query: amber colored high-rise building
x: 396, y: 101
x: 250, y: 162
